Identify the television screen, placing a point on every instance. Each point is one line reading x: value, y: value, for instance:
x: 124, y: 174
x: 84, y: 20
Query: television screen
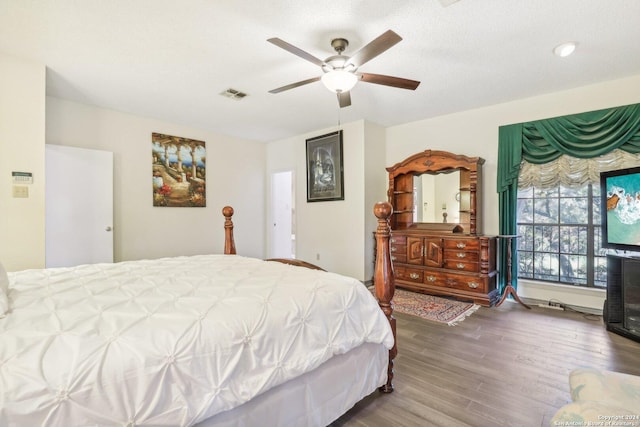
x: 620, y: 192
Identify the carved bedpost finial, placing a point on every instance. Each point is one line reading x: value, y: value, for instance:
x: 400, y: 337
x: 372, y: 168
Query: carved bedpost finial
x: 383, y: 279
x: 229, y: 244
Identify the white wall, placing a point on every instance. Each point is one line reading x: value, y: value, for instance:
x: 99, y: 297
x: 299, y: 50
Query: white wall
x: 475, y: 133
x: 339, y: 233
x: 235, y: 176
x: 375, y: 187
x: 22, y: 138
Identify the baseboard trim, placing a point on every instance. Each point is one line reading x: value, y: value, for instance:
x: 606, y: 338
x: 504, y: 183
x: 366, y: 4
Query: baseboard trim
x: 586, y: 310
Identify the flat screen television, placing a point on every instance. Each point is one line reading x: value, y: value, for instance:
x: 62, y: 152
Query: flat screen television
x: 620, y: 209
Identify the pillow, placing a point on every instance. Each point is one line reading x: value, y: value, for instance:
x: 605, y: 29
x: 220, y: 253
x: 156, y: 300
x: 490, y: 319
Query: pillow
x: 607, y: 387
x: 4, y: 290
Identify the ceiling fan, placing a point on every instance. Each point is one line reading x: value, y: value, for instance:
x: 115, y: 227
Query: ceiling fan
x: 340, y: 72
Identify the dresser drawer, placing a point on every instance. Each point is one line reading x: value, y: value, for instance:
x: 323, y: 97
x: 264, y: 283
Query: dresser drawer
x: 399, y: 257
x: 456, y: 281
x: 462, y: 244
x: 435, y: 278
x: 457, y: 265
x: 466, y: 283
x: 408, y: 274
x: 398, y: 240
x: 458, y: 255
x: 397, y: 249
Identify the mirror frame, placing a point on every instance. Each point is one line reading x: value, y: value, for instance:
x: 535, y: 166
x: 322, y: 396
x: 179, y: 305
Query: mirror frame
x: 400, y: 191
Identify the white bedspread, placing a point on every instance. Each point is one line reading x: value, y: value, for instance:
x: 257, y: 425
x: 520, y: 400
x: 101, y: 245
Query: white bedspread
x: 170, y: 341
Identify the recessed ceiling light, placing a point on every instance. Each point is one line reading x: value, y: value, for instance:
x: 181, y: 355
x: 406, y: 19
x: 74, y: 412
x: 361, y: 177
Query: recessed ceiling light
x: 565, y: 49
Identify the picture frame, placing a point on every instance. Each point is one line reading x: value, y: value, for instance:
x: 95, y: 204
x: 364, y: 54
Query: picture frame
x: 325, y: 172
x: 179, y: 171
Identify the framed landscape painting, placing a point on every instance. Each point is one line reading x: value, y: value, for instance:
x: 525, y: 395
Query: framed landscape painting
x: 179, y: 171
x: 325, y: 175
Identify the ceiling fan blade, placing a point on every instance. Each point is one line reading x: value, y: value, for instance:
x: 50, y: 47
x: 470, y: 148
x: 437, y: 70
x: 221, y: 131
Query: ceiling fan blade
x: 294, y: 85
x: 296, y: 51
x: 344, y: 99
x: 374, y: 48
x: 398, y: 82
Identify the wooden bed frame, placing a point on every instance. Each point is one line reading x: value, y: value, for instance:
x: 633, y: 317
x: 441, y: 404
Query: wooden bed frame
x: 383, y: 278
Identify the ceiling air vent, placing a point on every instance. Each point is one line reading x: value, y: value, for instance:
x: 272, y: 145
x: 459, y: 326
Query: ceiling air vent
x: 233, y: 94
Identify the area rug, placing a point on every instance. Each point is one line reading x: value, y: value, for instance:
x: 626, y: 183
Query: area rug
x: 432, y: 308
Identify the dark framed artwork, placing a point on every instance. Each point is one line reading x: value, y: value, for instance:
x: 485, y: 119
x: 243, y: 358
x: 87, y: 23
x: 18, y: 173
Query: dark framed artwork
x: 325, y: 175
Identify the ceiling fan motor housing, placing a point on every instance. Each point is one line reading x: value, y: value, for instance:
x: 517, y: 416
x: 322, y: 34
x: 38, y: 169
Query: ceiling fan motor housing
x: 339, y: 44
x: 337, y: 62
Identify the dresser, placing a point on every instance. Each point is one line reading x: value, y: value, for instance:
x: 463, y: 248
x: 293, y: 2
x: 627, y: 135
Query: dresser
x: 460, y: 266
x: 450, y: 257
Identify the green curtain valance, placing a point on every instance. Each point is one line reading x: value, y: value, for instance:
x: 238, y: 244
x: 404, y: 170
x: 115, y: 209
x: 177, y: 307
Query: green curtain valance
x: 584, y: 135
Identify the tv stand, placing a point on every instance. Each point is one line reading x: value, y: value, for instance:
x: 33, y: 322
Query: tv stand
x: 621, y: 312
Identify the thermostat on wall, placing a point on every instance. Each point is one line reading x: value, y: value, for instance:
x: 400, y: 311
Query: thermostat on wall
x: 22, y: 177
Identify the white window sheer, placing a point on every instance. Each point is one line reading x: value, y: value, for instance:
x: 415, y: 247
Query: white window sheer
x: 571, y: 171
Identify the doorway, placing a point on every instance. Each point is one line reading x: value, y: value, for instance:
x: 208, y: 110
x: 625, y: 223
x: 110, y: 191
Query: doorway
x: 283, y: 237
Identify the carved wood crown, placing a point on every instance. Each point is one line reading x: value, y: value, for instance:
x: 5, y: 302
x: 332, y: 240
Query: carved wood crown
x: 434, y: 161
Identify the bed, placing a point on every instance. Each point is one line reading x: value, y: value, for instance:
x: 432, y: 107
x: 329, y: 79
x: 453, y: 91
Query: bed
x: 207, y: 340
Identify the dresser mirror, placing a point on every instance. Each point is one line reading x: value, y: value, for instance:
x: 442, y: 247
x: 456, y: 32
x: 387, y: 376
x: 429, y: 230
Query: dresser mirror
x: 437, y: 197
x: 436, y: 190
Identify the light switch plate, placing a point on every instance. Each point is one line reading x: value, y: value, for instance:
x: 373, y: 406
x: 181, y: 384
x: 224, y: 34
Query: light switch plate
x: 20, y: 191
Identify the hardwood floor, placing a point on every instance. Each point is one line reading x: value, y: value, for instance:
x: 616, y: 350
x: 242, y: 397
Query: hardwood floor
x: 504, y: 366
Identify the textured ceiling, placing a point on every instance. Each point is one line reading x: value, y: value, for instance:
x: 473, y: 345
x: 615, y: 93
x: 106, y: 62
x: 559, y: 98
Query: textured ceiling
x: 170, y: 59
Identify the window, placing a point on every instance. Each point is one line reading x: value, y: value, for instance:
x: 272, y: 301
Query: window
x: 560, y: 235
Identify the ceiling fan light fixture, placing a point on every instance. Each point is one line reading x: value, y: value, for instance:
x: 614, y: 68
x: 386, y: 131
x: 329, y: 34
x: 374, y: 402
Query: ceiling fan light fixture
x: 565, y: 49
x: 339, y: 81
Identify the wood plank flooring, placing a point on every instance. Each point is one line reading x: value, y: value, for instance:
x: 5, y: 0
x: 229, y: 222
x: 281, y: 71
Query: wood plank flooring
x: 504, y: 366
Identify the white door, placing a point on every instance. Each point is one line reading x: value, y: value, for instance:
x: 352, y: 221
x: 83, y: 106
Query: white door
x: 282, y: 207
x: 78, y: 206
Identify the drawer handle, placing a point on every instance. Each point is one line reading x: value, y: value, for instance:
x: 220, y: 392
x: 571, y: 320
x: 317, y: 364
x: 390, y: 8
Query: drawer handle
x: 461, y: 254
x: 460, y: 265
x: 461, y: 245
x: 393, y: 240
x: 393, y: 249
x: 393, y: 258
x: 414, y: 276
x: 473, y: 285
x: 431, y: 278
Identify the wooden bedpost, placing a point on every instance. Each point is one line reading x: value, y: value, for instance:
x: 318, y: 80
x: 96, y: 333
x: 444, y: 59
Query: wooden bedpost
x: 383, y: 279
x: 229, y: 244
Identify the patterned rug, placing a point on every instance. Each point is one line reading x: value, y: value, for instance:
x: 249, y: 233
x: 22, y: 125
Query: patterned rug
x: 433, y: 308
